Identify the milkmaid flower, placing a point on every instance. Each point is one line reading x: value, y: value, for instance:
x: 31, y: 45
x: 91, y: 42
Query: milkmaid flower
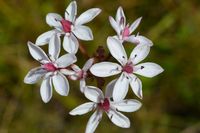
x: 127, y: 67
x: 124, y: 31
x: 101, y: 103
x: 52, y: 69
x: 81, y: 74
x: 70, y: 26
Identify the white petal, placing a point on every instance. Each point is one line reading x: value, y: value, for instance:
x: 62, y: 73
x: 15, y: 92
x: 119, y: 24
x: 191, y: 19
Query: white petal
x: 109, y: 88
x: 88, y: 64
x: 139, y: 40
x: 54, y: 47
x: 37, y: 53
x: 94, y: 121
x: 117, y: 50
x: 83, y: 32
x: 34, y: 75
x: 105, y: 69
x: 114, y: 24
x: 136, y: 85
x: 66, y: 60
x: 46, y: 90
x: 73, y: 77
x: 135, y: 24
x: 121, y: 88
x: 71, y: 11
x: 118, y: 119
x: 130, y: 105
x: 93, y: 93
x: 139, y: 53
x: 87, y: 16
x: 70, y: 44
x: 82, y: 85
x: 67, y: 72
x: 148, y: 69
x: 83, y: 109
x: 45, y: 37
x: 61, y: 84
x: 75, y: 67
x: 119, y: 15
x: 53, y: 19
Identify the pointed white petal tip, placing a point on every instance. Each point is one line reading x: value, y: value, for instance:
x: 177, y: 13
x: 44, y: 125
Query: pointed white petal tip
x: 83, y: 109
x: 44, y: 38
x: 34, y: 75
x: 53, y: 19
x: 105, y: 69
x: 37, y: 53
x: 119, y: 119
x: 148, y: 69
x: 83, y: 33
x: 93, y: 94
x: 128, y: 105
x: 120, y: 8
x: 140, y: 18
x: 87, y: 16
x: 120, y: 88
x: 117, y: 50
x: 61, y: 84
x: 88, y: 64
x: 46, y: 90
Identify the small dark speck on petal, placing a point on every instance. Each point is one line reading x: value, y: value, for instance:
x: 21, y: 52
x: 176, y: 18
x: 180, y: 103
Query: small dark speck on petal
x: 135, y: 79
x: 111, y: 117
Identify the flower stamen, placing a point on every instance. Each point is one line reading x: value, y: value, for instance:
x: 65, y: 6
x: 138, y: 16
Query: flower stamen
x: 128, y: 68
x: 125, y: 32
x: 66, y: 25
x: 105, y: 105
x: 50, y: 67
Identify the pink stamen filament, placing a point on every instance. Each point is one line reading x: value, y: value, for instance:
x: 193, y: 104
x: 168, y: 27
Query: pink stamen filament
x: 105, y: 105
x: 126, y: 32
x: 50, y: 67
x: 66, y: 25
x: 128, y: 68
x: 81, y: 74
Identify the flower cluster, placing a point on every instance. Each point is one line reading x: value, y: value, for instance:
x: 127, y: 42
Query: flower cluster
x: 56, y: 70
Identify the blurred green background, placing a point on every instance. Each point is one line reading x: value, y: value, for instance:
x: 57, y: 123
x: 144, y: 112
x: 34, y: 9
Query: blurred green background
x: 171, y: 101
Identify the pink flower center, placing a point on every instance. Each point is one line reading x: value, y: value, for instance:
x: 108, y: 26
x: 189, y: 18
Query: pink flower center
x: 49, y: 67
x: 128, y: 68
x: 126, y: 32
x: 105, y: 105
x: 66, y: 25
x: 81, y: 74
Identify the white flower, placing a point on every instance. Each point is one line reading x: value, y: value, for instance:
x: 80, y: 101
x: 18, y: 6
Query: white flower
x: 81, y: 74
x: 101, y: 104
x: 126, y: 67
x: 124, y: 30
x: 70, y: 26
x: 51, y: 69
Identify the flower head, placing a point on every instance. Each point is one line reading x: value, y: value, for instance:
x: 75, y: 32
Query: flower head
x: 101, y: 103
x: 127, y: 68
x: 81, y: 74
x: 124, y: 30
x: 70, y: 26
x: 52, y: 69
